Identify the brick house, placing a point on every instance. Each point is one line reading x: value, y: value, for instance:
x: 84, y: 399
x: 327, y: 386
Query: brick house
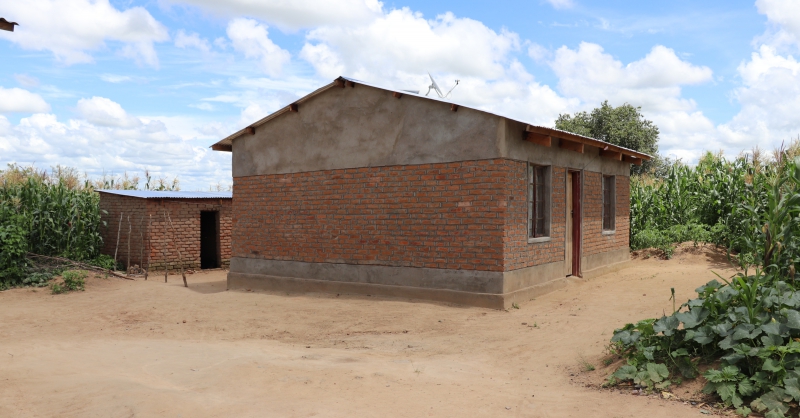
x: 201, y: 221
x: 357, y: 188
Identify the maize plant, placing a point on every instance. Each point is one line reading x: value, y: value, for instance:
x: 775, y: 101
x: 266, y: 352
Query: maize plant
x: 743, y: 330
x: 44, y: 214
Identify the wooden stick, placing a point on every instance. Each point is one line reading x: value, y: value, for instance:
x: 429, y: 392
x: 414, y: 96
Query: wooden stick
x: 178, y: 247
x: 130, y: 227
x: 141, y: 243
x: 80, y: 265
x: 149, y: 244
x: 119, y: 228
x: 164, y: 248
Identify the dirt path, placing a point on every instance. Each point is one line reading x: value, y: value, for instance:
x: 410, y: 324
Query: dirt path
x: 122, y: 349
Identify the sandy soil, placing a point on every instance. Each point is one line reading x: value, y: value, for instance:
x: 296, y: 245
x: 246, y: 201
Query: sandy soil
x: 150, y: 349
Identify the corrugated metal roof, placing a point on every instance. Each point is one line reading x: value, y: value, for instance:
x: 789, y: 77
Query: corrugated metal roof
x: 227, y: 142
x: 152, y: 194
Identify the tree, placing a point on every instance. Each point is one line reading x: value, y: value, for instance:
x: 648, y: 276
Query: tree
x: 624, y: 126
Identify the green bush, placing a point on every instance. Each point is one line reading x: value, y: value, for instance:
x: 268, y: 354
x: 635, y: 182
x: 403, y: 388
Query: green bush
x: 103, y: 261
x: 665, y: 240
x: 746, y: 328
x: 46, y: 214
x: 675, y: 205
x: 74, y: 279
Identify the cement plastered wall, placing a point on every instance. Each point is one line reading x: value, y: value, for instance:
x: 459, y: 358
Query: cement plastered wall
x: 367, y: 127
x: 364, y: 127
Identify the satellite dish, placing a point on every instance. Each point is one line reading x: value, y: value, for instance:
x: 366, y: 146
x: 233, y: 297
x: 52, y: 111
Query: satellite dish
x: 435, y: 86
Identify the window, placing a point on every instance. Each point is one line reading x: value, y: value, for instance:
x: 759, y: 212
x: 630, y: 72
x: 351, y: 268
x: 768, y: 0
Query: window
x: 609, y: 206
x: 538, y: 201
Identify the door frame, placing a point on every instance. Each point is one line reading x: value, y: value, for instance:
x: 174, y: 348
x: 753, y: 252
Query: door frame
x: 577, y: 216
x: 217, y: 238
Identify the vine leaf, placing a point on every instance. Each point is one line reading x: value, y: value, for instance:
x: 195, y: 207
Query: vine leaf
x: 696, y: 316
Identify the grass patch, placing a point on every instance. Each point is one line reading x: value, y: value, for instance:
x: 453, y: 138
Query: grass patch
x: 72, y: 280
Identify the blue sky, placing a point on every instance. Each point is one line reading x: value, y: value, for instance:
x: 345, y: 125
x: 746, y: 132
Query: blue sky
x: 131, y: 86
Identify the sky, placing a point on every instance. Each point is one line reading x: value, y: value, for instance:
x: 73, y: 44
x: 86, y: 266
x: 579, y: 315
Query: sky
x: 127, y: 86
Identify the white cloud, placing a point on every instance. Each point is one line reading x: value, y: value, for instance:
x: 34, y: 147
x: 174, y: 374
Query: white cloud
x: 769, y: 94
x: 105, y: 112
x: 538, y: 52
x: 784, y: 15
x: 591, y: 76
x: 5, y: 126
x: 71, y: 29
x: 221, y: 43
x: 403, y: 41
x: 561, y: 4
x: 19, y: 100
x: 114, y: 78
x: 296, y: 14
x: 203, y: 106
x: 770, y: 100
x: 157, y: 144
x: 252, y: 39
x: 192, y: 40
x: 26, y: 80
x: 653, y: 82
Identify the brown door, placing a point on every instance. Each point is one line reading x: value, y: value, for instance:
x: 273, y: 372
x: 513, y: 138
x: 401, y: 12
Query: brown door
x: 574, y: 223
x: 568, y: 235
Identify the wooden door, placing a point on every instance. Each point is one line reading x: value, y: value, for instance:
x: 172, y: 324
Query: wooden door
x: 576, y: 223
x: 568, y: 234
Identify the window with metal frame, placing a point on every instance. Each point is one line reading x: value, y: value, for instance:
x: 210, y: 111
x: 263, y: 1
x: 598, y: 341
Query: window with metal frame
x: 609, y: 200
x: 538, y: 201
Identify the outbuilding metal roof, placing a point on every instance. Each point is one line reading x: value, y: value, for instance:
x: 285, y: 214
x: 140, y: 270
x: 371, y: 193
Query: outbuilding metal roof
x: 226, y: 144
x: 152, y: 194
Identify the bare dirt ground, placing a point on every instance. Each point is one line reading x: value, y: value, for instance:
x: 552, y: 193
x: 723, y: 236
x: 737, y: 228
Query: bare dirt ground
x: 150, y: 349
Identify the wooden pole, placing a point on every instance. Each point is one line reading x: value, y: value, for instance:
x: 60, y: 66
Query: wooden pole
x: 119, y: 228
x: 130, y: 227
x: 178, y: 247
x: 164, y: 247
x: 141, y: 243
x: 149, y: 244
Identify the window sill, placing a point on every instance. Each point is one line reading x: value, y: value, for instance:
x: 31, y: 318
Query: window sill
x: 539, y: 239
x: 610, y: 232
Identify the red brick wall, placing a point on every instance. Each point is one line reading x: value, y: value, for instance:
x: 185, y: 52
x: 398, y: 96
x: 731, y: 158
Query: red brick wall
x: 132, y: 210
x: 447, y: 215
x: 185, y: 215
x: 466, y: 215
x: 518, y: 252
x: 594, y: 241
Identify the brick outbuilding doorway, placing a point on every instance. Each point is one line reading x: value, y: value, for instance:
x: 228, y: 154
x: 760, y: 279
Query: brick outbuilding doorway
x: 209, y: 240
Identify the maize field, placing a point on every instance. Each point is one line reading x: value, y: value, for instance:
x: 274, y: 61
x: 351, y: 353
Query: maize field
x: 55, y: 213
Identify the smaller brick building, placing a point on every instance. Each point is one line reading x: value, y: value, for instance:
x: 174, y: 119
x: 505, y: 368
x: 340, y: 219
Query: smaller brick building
x: 138, y: 223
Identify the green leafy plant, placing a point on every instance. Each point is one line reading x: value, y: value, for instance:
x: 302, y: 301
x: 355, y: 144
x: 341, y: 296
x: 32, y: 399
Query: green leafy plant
x: 51, y: 214
x: 74, y: 279
x: 57, y: 289
x: 746, y: 327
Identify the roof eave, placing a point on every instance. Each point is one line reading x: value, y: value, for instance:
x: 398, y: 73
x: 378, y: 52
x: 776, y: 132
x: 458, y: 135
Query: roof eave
x: 635, y: 157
